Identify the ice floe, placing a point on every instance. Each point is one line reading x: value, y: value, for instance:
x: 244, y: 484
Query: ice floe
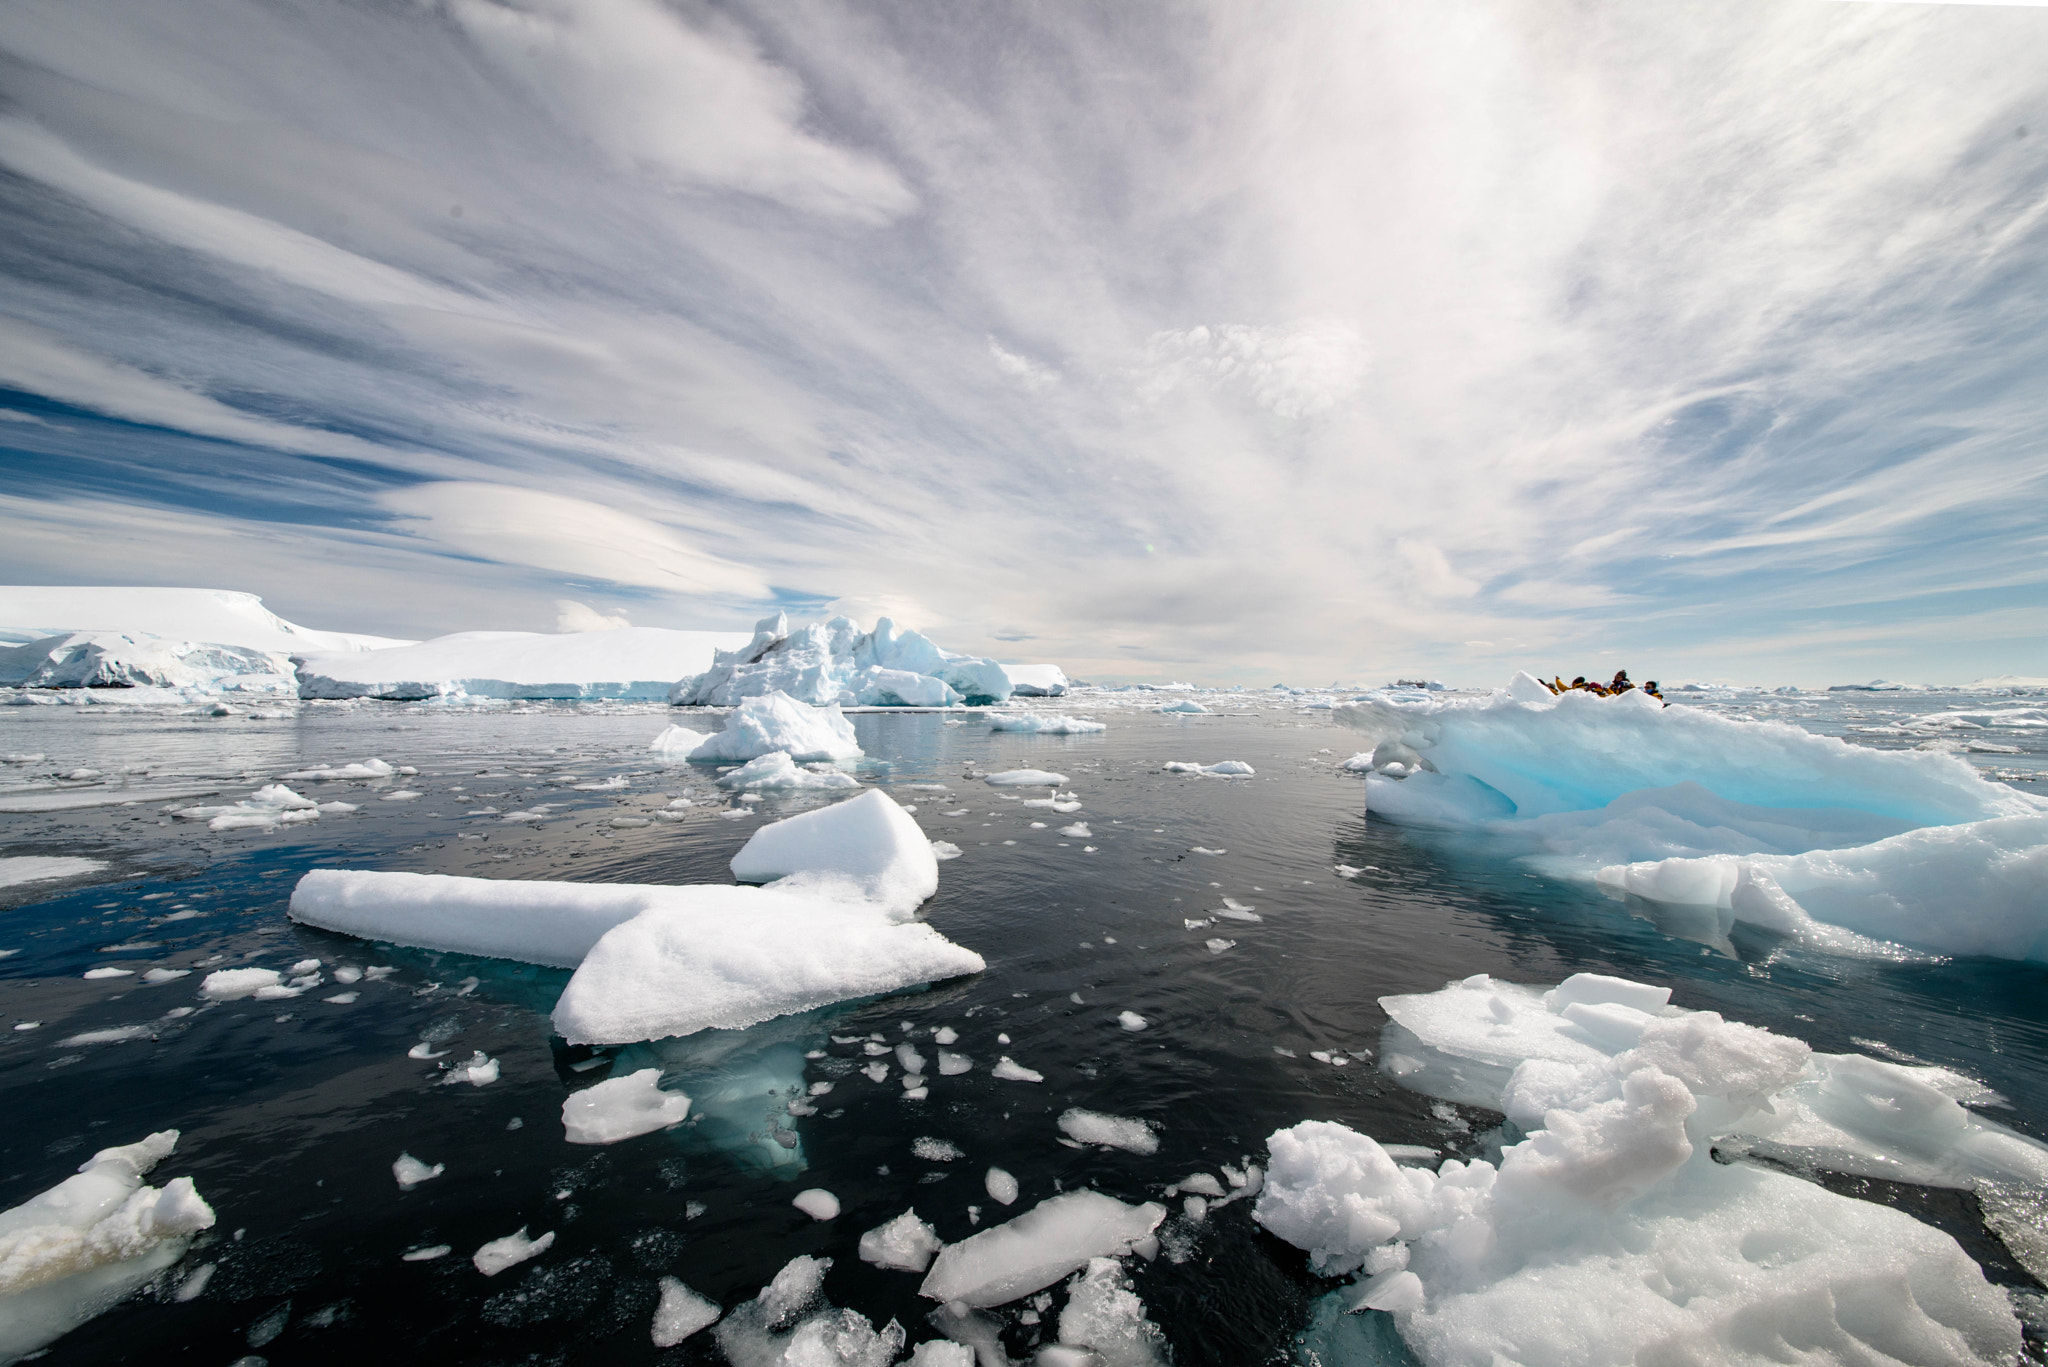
x: 681, y: 1313
x: 1841, y: 845
x: 1229, y: 768
x: 1026, y: 778
x: 763, y: 724
x: 510, y: 1251
x: 790, y: 1322
x: 1109, y: 1131
x: 91, y: 1241
x: 776, y: 772
x: 868, y: 839
x: 268, y: 807
x: 1044, y: 724
x: 1059, y: 1235
x: 410, y: 1171
x: 40, y: 868
x: 621, y: 1108
x: 904, y: 1244
x: 1611, y: 1233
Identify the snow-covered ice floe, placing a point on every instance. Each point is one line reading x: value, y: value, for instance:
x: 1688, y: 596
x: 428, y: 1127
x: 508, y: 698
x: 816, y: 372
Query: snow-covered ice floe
x: 1059, y: 1235
x: 635, y: 663
x: 1623, y: 1228
x: 90, y: 1242
x: 654, y: 961
x: 763, y: 725
x: 836, y: 662
x: 1044, y: 723
x: 1849, y: 848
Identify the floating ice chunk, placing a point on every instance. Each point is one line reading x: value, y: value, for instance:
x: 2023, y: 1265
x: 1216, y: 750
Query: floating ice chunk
x: 817, y: 1203
x: 776, y: 721
x: 1110, y: 1131
x: 945, y: 1034
x: 681, y: 1313
x: 91, y: 1241
x: 358, y: 769
x: 1104, y: 1315
x: 1229, y: 768
x: 622, y: 1107
x: 1131, y: 1020
x: 1044, y: 723
x: 907, y: 1055
x: 1078, y: 831
x: 905, y: 1244
x: 118, y: 1034
x: 952, y: 1064
x: 268, y: 806
x: 480, y: 1071
x: 1057, y: 1236
x: 1218, y: 946
x: 869, y: 839
x: 426, y: 1254
x: 97, y: 974
x: 1001, y: 1185
x: 936, y: 1150
x: 232, y: 984
x: 410, y: 1171
x: 945, y: 849
x: 1186, y: 705
x: 1011, y: 1071
x: 36, y: 868
x: 675, y: 744
x: 1203, y: 849
x: 1026, y: 778
x: 726, y: 958
x: 942, y: 1352
x: 1037, y: 681
x: 510, y: 1251
x: 776, y: 771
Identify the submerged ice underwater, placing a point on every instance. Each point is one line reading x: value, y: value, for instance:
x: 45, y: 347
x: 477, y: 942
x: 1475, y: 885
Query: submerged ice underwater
x: 1115, y: 1028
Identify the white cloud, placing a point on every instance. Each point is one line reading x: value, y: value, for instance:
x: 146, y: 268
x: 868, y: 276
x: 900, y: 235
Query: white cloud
x: 571, y: 615
x: 1292, y: 372
x: 698, y: 103
x: 565, y: 535
x: 1021, y: 369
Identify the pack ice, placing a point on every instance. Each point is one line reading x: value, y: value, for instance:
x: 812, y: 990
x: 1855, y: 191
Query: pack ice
x: 1848, y: 848
x: 836, y: 662
x: 88, y: 1243
x: 1610, y: 1233
x: 654, y: 961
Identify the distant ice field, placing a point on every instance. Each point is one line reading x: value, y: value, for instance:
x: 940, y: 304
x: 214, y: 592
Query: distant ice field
x: 1188, y: 961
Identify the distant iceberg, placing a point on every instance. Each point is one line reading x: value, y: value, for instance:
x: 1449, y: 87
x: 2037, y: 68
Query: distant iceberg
x: 836, y: 662
x: 137, y: 659
x: 631, y: 663
x: 1848, y: 848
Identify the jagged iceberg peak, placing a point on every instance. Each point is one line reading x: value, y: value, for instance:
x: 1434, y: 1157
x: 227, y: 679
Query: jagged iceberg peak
x: 834, y: 661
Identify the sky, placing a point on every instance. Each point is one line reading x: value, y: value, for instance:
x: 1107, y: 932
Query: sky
x: 1234, y: 342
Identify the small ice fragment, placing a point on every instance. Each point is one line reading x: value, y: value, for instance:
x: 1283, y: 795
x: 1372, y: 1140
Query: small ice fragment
x: 166, y: 975
x: 510, y: 1251
x: 427, y: 1254
x: 231, y: 984
x: 343, y: 998
x: 480, y: 1071
x: 820, y: 1088
x: 912, y: 1061
x: 1010, y: 1071
x: 1218, y: 946
x: 877, y: 1071
x: 1131, y: 1020
x: 94, y: 974
x: 410, y: 1172
x: 936, y: 1150
x: 1078, y: 831
x: 817, y: 1203
x: 904, y: 1244
x: 1001, y: 1186
x: 1038, y: 1248
x: 945, y: 849
x: 1110, y: 1131
x: 424, y: 1050
x: 1197, y: 849
x: 621, y: 1108
x: 952, y: 1064
x: 348, y: 974
x: 682, y: 1312
x: 1200, y: 1184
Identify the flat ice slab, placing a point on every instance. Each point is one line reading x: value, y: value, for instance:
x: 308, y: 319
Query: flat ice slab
x: 1055, y: 1237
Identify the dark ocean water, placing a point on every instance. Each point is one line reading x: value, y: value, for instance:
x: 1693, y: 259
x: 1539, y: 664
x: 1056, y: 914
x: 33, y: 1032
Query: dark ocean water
x: 293, y: 1111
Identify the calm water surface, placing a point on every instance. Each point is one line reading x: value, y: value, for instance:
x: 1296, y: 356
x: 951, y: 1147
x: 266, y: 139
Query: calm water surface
x: 293, y: 1111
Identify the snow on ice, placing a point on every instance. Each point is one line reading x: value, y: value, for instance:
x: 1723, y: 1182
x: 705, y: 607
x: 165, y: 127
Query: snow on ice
x: 629, y: 663
x: 1029, y: 1253
x: 1611, y: 1233
x: 761, y: 725
x: 836, y: 662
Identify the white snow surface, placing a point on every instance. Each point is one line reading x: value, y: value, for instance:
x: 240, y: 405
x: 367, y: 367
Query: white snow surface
x: 621, y: 1108
x: 836, y: 662
x: 637, y: 663
x: 726, y: 958
x: 88, y: 1243
x: 218, y: 616
x: 1610, y: 1234
x: 1057, y: 1236
x: 1849, y: 848
x: 868, y: 839
x: 138, y: 659
x: 761, y: 725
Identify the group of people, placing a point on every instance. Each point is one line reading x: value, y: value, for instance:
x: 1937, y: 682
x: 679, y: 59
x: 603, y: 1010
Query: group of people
x: 1619, y: 684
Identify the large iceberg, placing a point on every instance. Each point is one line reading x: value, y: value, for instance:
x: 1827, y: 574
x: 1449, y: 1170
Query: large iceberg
x: 1847, y: 847
x: 90, y: 1242
x: 136, y: 659
x: 635, y: 663
x: 1619, y: 1229
x: 836, y: 662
